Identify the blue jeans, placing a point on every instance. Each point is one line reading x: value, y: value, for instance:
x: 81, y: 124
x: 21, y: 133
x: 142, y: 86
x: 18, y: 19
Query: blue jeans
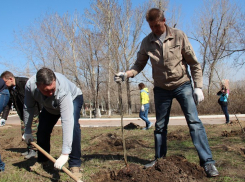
x: 144, y: 114
x: 225, y: 111
x: 45, y: 127
x: 4, y: 99
x: 184, y: 95
x: 2, y: 165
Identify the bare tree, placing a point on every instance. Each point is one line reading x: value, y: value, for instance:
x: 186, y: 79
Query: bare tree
x: 239, y: 42
x: 100, y: 16
x: 126, y: 38
x: 214, y: 32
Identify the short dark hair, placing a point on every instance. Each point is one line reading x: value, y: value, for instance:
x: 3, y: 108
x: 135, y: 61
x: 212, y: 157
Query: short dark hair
x: 141, y: 85
x: 45, y: 76
x: 7, y: 74
x: 154, y: 14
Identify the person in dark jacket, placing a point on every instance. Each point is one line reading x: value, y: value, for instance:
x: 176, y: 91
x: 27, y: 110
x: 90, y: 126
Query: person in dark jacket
x: 223, y: 102
x: 4, y: 98
x: 16, y: 86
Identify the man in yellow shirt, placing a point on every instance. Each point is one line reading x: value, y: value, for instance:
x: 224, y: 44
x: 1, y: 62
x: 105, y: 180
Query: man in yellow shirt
x: 144, y: 100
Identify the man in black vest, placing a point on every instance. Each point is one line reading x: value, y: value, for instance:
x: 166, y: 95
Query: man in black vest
x: 16, y: 86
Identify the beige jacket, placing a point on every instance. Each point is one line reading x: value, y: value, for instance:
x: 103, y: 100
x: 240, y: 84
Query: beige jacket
x: 169, y: 62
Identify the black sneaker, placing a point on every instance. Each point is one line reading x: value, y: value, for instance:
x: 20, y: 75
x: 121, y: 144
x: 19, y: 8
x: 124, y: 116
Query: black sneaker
x: 211, y: 170
x: 152, y: 163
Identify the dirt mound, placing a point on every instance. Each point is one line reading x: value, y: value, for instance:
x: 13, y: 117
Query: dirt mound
x: 233, y: 122
x: 173, y: 168
x: 132, y: 126
x: 113, y: 142
x: 233, y: 133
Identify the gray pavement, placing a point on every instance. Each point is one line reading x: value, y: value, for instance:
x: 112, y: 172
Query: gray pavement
x: 106, y: 122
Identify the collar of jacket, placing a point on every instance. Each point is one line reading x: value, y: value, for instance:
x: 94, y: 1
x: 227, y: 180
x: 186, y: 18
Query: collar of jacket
x: 169, y: 34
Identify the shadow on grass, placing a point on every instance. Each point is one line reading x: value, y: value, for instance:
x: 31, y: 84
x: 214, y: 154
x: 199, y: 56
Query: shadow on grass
x: 115, y: 157
x: 19, y: 150
x: 26, y: 164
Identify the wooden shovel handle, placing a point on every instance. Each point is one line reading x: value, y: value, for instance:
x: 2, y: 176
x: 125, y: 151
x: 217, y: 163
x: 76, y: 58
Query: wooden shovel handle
x: 53, y: 160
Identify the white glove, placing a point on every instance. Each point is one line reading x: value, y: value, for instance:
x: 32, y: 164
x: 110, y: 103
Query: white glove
x: 60, y: 162
x: 2, y: 122
x: 198, y: 95
x: 120, y: 77
x: 142, y: 108
x: 27, y: 137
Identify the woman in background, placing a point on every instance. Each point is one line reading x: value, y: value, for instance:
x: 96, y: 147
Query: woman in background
x: 223, y: 102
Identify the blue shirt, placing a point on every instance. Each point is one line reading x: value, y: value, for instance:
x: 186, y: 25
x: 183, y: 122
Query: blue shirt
x: 224, y: 97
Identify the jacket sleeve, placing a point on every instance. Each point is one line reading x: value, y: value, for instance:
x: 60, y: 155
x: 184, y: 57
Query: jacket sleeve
x: 191, y: 59
x: 141, y: 61
x: 30, y: 108
x: 67, y: 121
x: 219, y: 93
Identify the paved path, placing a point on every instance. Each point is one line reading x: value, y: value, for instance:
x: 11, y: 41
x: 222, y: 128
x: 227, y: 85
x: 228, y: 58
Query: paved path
x: 103, y: 122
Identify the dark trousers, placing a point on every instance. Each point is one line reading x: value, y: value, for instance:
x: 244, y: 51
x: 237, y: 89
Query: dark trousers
x: 46, y: 123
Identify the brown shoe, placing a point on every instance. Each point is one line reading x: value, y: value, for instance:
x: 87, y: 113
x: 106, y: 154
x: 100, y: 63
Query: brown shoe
x: 37, y: 166
x: 77, y: 171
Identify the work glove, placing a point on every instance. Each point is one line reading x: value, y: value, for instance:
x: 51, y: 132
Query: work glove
x: 198, y: 95
x: 2, y: 122
x: 120, y: 77
x: 27, y: 137
x: 142, y: 108
x: 60, y: 162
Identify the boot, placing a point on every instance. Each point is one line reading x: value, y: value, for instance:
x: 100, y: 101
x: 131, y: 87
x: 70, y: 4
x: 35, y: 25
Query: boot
x: 48, y: 165
x: 32, y: 153
x: 76, y: 171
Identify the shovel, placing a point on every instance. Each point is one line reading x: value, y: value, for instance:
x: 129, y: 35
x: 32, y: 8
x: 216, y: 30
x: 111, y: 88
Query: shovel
x: 53, y: 160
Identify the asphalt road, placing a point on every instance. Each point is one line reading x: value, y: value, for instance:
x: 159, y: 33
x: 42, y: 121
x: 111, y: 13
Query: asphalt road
x: 103, y: 122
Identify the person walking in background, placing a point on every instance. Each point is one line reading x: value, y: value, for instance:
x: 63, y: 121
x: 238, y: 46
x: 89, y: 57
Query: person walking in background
x: 144, y: 101
x: 16, y: 86
x: 4, y: 98
x: 223, y: 102
x: 171, y: 53
x: 60, y: 98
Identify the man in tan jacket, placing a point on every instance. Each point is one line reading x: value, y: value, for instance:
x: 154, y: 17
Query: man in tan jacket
x: 171, y: 53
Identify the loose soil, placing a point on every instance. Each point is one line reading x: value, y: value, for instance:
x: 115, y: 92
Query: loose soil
x: 174, y: 168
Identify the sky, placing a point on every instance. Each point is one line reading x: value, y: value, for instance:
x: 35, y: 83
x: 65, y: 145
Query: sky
x: 16, y: 15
